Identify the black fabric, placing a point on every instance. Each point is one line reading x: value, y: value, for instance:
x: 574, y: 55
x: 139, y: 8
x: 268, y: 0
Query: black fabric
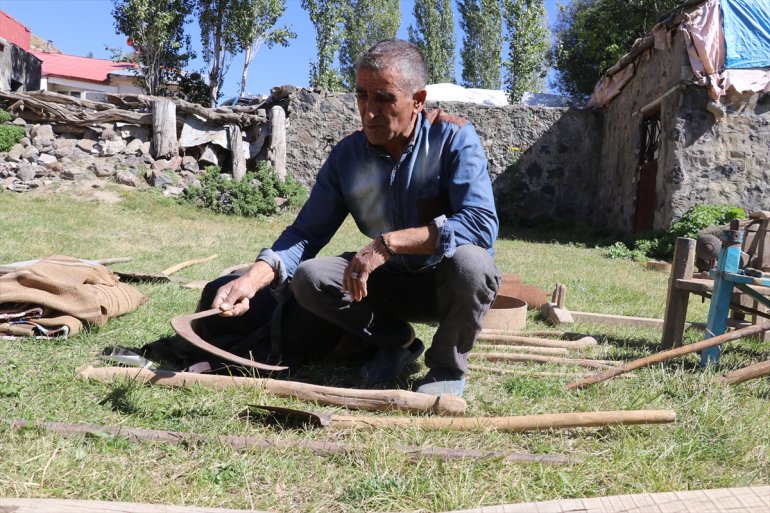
x: 302, y: 335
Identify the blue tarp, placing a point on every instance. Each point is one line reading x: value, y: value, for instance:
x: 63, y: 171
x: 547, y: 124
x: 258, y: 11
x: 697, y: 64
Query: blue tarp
x: 746, y: 26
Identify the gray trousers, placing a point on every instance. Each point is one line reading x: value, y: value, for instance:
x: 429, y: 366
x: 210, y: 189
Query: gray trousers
x: 455, y: 294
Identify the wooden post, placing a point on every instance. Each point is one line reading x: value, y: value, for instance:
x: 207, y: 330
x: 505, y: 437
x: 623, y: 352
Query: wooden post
x: 276, y: 154
x: 164, y: 140
x: 235, y: 142
x: 678, y: 299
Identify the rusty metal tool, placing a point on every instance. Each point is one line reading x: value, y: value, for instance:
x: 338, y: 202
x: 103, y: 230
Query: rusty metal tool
x: 515, y: 424
x: 165, y: 275
x: 183, y: 327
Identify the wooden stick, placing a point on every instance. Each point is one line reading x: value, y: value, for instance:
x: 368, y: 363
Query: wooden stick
x: 757, y: 370
x: 355, y: 399
x: 517, y: 357
x: 186, y: 263
x: 671, y: 353
x: 523, y: 373
x: 251, y: 443
x: 525, y: 349
x: 528, y: 373
x: 582, y: 343
x: 544, y: 333
x: 515, y: 424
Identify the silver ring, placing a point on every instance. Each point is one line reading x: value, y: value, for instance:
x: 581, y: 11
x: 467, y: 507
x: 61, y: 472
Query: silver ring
x: 355, y: 275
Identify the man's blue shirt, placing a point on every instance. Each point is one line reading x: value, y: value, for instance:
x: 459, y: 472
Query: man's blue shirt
x: 441, y: 178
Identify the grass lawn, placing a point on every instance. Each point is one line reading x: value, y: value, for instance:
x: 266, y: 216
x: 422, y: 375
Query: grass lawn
x: 721, y: 437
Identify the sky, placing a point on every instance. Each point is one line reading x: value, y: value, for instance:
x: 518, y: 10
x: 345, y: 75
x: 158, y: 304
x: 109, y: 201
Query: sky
x: 77, y: 27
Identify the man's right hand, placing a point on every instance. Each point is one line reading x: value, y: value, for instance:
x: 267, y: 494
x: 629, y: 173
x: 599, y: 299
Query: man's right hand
x: 233, y: 297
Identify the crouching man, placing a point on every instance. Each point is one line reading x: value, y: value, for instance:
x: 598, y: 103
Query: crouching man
x: 417, y: 185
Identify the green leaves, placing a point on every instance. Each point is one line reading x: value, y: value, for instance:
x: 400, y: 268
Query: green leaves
x: 434, y: 35
x: 481, y: 55
x: 528, y: 46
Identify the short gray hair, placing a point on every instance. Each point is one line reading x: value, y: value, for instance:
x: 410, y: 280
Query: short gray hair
x: 403, y: 56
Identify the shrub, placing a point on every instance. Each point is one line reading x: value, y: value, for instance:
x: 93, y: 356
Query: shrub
x: 4, y: 116
x: 255, y: 195
x: 10, y: 135
x: 661, y: 244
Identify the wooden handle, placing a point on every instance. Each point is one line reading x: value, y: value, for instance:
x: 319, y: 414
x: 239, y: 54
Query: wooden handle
x: 671, y: 353
x: 186, y: 263
x: 757, y: 370
x: 513, y: 424
x: 526, y: 349
x: 115, y: 260
x: 517, y: 357
x: 582, y: 343
x: 355, y: 399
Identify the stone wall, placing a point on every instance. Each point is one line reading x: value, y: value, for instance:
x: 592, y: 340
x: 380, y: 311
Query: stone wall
x: 19, y: 70
x: 538, y: 157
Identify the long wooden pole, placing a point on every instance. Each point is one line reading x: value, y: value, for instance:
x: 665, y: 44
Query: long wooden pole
x: 524, y: 349
x: 757, y: 370
x: 517, y: 357
x: 355, y: 399
x: 671, y: 353
x: 515, y: 424
x: 582, y: 343
x: 252, y: 443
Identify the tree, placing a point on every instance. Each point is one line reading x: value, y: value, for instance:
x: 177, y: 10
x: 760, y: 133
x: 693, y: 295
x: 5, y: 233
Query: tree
x: 155, y: 29
x: 528, y: 47
x: 229, y: 27
x: 592, y: 35
x: 366, y: 22
x: 482, y: 23
x: 265, y: 14
x: 434, y: 35
x: 327, y: 17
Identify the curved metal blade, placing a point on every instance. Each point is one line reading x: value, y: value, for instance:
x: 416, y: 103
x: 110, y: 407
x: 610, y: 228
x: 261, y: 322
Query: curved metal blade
x: 181, y: 324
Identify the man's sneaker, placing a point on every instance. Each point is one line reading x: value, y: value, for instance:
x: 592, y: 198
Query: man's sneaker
x: 439, y: 381
x: 390, y: 362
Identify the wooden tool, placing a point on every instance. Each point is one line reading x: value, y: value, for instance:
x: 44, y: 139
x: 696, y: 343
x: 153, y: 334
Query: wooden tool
x: 253, y: 443
x: 354, y: 399
x: 757, y: 370
x: 671, y: 353
x: 581, y: 343
x: 505, y: 424
x: 182, y: 324
x: 517, y: 357
x: 525, y: 349
x: 524, y: 333
x: 165, y: 275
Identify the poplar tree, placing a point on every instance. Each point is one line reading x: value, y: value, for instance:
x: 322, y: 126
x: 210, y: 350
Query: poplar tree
x: 434, y: 35
x: 366, y: 22
x: 155, y: 29
x: 327, y: 17
x: 528, y: 36
x: 481, y: 21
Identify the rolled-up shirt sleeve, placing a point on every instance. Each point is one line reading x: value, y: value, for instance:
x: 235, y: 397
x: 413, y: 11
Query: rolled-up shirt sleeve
x: 474, y: 217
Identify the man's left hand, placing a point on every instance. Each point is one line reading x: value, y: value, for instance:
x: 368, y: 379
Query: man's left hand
x: 361, y: 266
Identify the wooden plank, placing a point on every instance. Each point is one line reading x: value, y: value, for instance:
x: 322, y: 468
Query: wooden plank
x: 755, y: 499
x: 622, y: 320
x: 164, y: 139
x: 676, y: 298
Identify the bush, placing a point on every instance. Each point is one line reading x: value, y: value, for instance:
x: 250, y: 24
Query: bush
x: 661, y: 244
x: 253, y: 196
x: 10, y: 135
x: 4, y: 116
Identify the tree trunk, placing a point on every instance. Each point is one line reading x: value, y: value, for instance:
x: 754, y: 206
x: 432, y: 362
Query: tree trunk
x: 277, y: 151
x: 235, y: 142
x: 164, y: 140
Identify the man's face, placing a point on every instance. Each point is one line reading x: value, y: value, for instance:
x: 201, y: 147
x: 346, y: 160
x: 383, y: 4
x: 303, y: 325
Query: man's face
x: 387, y: 112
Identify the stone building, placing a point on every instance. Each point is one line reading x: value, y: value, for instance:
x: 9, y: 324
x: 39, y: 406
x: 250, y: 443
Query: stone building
x: 19, y: 69
x: 686, y: 117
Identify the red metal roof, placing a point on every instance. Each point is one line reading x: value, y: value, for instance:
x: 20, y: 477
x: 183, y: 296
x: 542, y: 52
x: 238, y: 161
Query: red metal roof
x: 79, y: 68
x: 14, y: 31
